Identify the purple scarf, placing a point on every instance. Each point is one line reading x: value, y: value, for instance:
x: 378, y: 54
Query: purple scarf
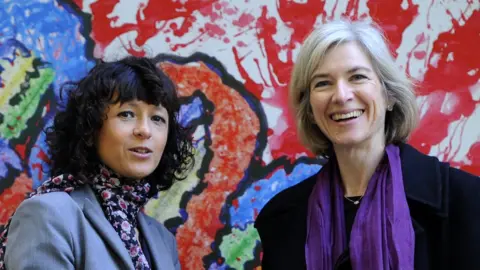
x: 120, y: 202
x: 382, y: 235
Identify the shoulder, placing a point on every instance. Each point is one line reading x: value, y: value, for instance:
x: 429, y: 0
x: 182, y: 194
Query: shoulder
x: 42, y: 227
x: 49, y: 213
x: 54, y: 203
x: 427, y: 177
x: 55, y: 211
x: 285, y: 200
x: 415, y: 163
x: 464, y: 187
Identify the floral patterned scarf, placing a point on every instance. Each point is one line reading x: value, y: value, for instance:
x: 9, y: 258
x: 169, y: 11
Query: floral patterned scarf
x: 120, y: 201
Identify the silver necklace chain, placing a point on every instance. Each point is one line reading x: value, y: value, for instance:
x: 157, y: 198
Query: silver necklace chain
x: 354, y: 201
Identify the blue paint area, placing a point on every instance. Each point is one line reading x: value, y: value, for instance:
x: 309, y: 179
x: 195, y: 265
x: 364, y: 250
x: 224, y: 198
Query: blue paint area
x: 8, y: 156
x: 216, y: 266
x: 39, y: 174
x: 50, y: 32
x: 190, y: 111
x: 9, y: 48
x: 263, y: 190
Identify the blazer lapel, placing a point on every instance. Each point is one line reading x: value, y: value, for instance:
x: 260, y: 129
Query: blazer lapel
x: 95, y: 214
x: 159, y: 253
x: 426, y: 189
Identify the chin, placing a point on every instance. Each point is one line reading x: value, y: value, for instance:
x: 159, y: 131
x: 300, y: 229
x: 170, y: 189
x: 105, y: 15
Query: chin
x: 140, y: 171
x: 138, y: 174
x: 348, y: 141
x: 141, y: 175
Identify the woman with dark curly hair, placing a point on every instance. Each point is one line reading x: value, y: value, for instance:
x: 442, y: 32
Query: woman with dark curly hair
x: 117, y: 143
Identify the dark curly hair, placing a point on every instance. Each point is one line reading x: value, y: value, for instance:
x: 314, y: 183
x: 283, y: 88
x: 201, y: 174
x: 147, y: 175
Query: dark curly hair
x: 71, y: 138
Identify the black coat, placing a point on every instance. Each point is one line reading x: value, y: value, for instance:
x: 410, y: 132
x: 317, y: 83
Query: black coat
x: 444, y: 205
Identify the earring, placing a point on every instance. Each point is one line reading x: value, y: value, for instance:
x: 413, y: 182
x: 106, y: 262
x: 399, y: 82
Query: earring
x: 390, y: 108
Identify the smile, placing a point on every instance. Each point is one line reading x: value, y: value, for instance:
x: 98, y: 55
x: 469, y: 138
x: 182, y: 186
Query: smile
x: 346, y: 116
x: 141, y: 150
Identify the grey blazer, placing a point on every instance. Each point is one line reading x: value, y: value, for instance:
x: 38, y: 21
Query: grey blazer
x: 61, y: 231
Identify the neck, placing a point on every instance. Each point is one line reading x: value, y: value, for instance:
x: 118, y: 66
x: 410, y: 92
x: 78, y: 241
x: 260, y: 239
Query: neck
x: 123, y: 179
x: 357, y: 165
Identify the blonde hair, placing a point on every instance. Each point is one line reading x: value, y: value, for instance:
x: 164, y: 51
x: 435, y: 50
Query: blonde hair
x: 399, y: 89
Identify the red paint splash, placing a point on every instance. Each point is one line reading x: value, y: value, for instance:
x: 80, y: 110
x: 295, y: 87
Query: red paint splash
x: 22, y: 148
x: 450, y: 77
x: 287, y: 143
x: 13, y: 196
x: 392, y: 18
x: 235, y: 204
x: 184, y: 28
x: 474, y: 156
x: 299, y: 16
x: 420, y: 54
x: 244, y: 20
x: 39, y: 166
x: 352, y: 10
x: 214, y: 30
x: 232, y: 146
x: 155, y: 11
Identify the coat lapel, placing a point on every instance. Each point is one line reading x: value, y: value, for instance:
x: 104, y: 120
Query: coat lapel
x: 94, y: 213
x: 158, y: 250
x: 426, y: 189
x: 423, y: 181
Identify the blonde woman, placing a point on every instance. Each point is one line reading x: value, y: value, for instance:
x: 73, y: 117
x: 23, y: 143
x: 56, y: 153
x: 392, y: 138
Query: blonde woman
x: 378, y: 203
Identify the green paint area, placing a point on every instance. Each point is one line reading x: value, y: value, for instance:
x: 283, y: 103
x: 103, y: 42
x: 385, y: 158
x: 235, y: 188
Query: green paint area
x: 238, y: 247
x: 16, y: 117
x: 167, y: 205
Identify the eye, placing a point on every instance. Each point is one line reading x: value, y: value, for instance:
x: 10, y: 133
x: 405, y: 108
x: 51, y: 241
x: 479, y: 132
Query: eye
x: 126, y: 114
x: 358, y: 77
x: 321, y: 84
x: 158, y: 118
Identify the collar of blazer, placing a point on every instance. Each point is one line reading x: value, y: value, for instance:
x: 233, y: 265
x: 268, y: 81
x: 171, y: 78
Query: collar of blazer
x: 86, y: 199
x: 425, y: 179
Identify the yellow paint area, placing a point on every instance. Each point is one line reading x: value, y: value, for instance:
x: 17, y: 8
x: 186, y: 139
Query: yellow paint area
x: 13, y: 76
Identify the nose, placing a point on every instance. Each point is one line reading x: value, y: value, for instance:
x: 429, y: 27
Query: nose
x: 142, y: 130
x: 343, y: 93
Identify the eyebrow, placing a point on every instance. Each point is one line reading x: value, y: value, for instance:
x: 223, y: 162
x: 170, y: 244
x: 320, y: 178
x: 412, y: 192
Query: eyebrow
x: 351, y: 70
x: 359, y: 68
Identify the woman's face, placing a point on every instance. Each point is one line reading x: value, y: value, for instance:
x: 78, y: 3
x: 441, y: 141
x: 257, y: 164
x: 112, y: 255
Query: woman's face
x: 347, y: 98
x: 133, y: 137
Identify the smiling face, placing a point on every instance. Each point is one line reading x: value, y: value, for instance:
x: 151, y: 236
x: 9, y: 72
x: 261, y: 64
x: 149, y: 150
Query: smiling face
x: 132, y: 138
x: 347, y: 98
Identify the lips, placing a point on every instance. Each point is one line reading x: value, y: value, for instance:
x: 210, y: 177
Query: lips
x: 141, y: 150
x: 342, y: 116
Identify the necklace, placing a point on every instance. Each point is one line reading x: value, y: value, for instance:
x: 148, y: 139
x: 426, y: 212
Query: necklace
x: 354, y: 202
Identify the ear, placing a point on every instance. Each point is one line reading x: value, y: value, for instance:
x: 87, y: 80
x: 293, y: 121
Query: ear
x: 390, y: 103
x: 390, y: 100
x: 390, y: 106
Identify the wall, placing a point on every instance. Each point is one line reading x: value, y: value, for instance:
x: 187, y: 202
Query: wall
x: 231, y: 60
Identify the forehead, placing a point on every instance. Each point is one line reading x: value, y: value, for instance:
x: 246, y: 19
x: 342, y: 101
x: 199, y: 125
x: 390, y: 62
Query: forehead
x: 344, y: 57
x: 139, y: 104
